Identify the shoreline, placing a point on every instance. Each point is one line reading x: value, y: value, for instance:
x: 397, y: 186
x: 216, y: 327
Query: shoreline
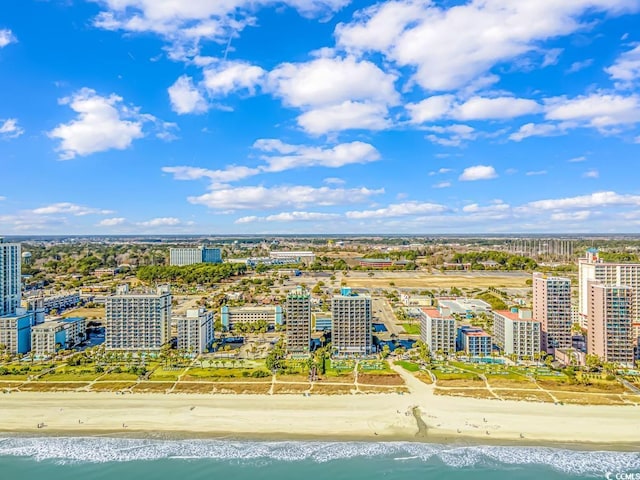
x: 436, y: 440
x: 453, y: 421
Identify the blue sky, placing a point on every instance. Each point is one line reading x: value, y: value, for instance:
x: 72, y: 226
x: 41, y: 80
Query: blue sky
x: 319, y: 116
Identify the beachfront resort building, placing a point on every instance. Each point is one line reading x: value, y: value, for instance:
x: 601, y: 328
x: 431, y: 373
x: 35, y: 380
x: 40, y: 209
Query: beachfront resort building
x: 515, y: 332
x: 195, y: 331
x: 15, y: 331
x: 10, y: 277
x: 62, y: 334
x: 138, y: 321
x: 231, y: 316
x: 191, y: 256
x: 610, y: 331
x: 592, y: 269
x: 15, y: 322
x: 473, y: 341
x: 552, y: 308
x: 298, y: 315
x: 438, y: 330
x: 351, y: 334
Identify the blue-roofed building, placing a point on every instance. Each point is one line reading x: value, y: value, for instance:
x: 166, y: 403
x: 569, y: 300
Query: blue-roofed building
x: 473, y: 341
x: 322, y: 321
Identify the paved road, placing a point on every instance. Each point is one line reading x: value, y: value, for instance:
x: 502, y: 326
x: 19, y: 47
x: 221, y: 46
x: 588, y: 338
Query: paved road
x: 382, y: 313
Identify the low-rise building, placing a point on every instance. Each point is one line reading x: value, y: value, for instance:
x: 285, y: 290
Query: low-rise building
x: 321, y: 321
x: 231, y: 316
x: 195, y: 331
x: 59, y: 301
x: 467, y: 307
x: 474, y: 342
x: 438, y: 330
x: 515, y: 332
x: 15, y: 331
x: 286, y: 258
x: 416, y: 300
x: 61, y: 334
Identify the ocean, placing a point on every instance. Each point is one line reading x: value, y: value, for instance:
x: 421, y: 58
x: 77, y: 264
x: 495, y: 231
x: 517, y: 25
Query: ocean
x: 99, y: 458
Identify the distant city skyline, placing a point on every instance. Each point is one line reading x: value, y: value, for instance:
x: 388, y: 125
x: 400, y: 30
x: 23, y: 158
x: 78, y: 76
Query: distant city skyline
x: 319, y: 116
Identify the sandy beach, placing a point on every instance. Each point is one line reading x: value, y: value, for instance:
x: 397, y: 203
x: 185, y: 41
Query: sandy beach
x: 374, y: 417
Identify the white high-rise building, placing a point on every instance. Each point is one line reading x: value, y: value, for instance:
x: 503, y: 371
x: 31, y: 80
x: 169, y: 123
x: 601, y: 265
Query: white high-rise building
x: 515, y: 332
x: 351, y: 333
x: 10, y: 277
x: 552, y: 307
x: 592, y: 269
x: 438, y: 330
x: 195, y: 331
x: 138, y: 322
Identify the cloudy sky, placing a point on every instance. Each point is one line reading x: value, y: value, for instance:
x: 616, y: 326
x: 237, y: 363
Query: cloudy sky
x: 319, y: 116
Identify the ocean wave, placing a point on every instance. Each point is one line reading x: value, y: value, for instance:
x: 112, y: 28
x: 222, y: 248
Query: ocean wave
x: 99, y: 449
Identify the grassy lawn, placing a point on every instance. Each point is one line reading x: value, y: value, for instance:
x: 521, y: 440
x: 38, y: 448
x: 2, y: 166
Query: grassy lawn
x: 411, y: 329
x: 88, y: 313
x: 409, y: 366
x: 69, y: 376
x: 166, y: 375
x: 115, y: 377
x: 374, y: 367
x: 217, y: 374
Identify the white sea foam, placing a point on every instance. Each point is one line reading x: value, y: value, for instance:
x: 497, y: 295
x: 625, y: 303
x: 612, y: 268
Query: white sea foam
x: 100, y: 449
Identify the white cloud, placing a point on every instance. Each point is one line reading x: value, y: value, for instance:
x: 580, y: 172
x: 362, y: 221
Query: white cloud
x: 279, y: 156
x: 161, y: 222
x: 626, y: 69
x: 102, y: 123
x: 578, y: 216
x: 451, y: 135
x: 430, y: 109
x: 478, y: 172
x: 442, y: 185
x: 593, y: 200
x: 111, y: 222
x: 2, y: 198
x: 232, y: 173
x: 497, y: 206
x: 264, y: 198
x: 331, y: 81
x: 334, y: 181
x: 9, y: 128
x: 186, y: 97
x: 69, y: 208
x: 398, y: 210
x: 535, y: 173
x: 298, y: 156
x: 536, y: 130
x: 345, y: 116
x: 453, y: 47
x: 475, y: 108
x: 592, y: 173
x: 598, y: 110
x: 577, y: 66
x: 223, y: 78
x: 7, y: 37
x: 185, y: 25
x: 290, y: 217
x: 478, y: 108
x: 577, y: 159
